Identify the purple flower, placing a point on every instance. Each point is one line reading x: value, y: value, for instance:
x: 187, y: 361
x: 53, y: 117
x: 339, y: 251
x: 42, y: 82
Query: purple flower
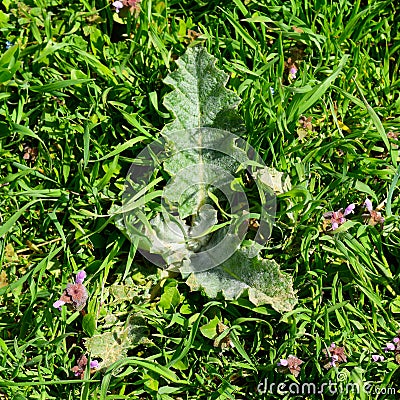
x: 74, y: 295
x: 118, y: 5
x: 396, y: 339
x: 283, y: 363
x: 377, y: 357
x: 94, y: 364
x: 368, y: 205
x: 338, y: 217
x: 334, y: 358
x: 79, y: 368
x: 80, y: 277
x: 374, y: 217
x: 335, y: 225
x: 349, y: 209
x: 78, y: 295
x: 58, y: 304
x: 389, y: 347
x: 291, y: 364
x: 292, y: 72
x: 134, y: 5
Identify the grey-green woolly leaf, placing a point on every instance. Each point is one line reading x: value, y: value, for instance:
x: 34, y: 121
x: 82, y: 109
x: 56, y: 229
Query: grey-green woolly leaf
x: 188, y: 189
x: 278, y: 181
x: 169, y: 239
x: 199, y: 94
x: 113, y: 346
x: 107, y: 347
x: 126, y: 292
x: 262, y: 279
x: 206, y: 220
x: 197, y: 156
x: 199, y: 99
x: 230, y: 120
x: 194, y: 147
x: 176, y: 241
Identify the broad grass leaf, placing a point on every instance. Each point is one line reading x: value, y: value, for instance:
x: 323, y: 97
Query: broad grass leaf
x: 303, y: 101
x: 89, y: 324
x: 209, y: 330
x: 5, y: 228
x: 170, y: 298
x: 54, y: 86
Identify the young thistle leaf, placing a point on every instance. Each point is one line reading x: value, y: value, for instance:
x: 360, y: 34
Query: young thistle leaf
x: 199, y: 101
x: 199, y: 97
x: 263, y: 280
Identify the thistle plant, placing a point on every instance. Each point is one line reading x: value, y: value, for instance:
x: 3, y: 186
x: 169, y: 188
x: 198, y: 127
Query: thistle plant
x: 185, y: 227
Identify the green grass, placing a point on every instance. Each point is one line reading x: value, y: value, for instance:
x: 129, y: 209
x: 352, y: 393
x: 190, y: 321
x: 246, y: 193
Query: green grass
x: 86, y: 93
